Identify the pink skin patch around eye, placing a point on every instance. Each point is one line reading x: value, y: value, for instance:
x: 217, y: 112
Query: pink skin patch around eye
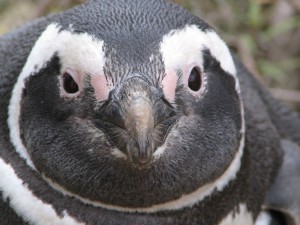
x: 101, y: 87
x: 169, y: 84
x: 170, y: 80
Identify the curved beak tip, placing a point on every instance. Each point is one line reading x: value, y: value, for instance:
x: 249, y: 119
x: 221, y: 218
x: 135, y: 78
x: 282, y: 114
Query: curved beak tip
x: 139, y: 156
x: 144, y: 157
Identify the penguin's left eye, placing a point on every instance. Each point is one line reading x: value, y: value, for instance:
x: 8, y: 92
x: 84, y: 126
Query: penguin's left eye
x: 69, y: 84
x: 194, y: 81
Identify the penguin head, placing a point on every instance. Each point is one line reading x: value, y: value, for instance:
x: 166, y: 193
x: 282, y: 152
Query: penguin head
x: 130, y: 111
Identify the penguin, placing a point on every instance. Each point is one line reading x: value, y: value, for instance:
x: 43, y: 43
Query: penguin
x: 136, y: 112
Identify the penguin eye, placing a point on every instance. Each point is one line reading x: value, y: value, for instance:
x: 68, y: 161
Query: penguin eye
x: 195, y: 81
x: 69, y: 84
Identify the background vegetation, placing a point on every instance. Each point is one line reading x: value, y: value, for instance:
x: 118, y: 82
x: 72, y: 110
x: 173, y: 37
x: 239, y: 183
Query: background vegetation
x: 265, y: 33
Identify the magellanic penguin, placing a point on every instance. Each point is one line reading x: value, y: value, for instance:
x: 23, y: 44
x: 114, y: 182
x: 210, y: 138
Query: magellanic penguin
x: 135, y: 112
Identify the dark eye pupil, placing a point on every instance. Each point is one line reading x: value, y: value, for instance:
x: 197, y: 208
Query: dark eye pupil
x: 195, y: 80
x: 70, y: 85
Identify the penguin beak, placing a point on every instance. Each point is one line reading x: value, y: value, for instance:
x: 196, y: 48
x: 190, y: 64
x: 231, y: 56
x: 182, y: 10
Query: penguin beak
x: 136, y: 121
x: 139, y: 122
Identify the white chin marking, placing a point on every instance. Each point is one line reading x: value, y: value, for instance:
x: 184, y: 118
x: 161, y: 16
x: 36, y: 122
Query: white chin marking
x: 80, y: 52
x: 238, y: 217
x: 25, y: 204
x: 119, y: 154
x: 184, y: 47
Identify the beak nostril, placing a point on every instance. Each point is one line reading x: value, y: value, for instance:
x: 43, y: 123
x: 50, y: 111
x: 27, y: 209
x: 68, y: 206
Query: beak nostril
x: 112, y: 114
x: 117, y: 118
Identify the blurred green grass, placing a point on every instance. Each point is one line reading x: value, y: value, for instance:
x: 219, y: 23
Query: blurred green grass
x: 264, y: 33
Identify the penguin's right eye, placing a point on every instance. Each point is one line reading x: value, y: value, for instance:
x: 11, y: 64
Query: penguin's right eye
x: 69, y: 84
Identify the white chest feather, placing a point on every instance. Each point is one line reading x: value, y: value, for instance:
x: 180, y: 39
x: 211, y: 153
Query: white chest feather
x: 26, y: 204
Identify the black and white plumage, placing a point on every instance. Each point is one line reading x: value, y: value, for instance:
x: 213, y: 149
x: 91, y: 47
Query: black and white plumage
x: 135, y: 112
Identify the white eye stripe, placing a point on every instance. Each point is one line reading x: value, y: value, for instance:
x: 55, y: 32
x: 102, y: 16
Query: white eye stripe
x: 76, y: 51
x: 184, y: 47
